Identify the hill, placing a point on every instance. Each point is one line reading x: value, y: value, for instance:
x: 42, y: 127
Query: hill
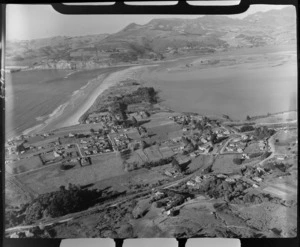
x: 156, y: 40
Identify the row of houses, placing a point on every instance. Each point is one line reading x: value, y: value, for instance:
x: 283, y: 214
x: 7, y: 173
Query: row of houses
x: 96, y: 145
x: 120, y: 141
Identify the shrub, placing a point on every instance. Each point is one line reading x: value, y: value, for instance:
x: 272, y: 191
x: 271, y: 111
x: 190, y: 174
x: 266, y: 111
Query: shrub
x: 237, y: 161
x: 61, y: 202
x: 247, y: 128
x: 254, y: 155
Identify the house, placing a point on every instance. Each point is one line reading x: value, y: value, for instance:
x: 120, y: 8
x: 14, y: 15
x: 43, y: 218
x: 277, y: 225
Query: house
x: 55, y: 154
x: 168, y: 173
x: 190, y: 183
x: 257, y: 179
x: 221, y: 176
x: 193, y: 155
x: 173, y: 212
x: 203, y: 140
x: 230, y: 180
x: 244, y: 137
x: 236, y: 140
x: 245, y: 156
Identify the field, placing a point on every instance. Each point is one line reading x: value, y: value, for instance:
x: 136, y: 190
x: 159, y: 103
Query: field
x: 16, y: 193
x: 252, y: 147
x: 166, y: 152
x: 282, y: 190
x: 134, y: 158
x: 24, y: 165
x: 285, y: 141
x: 51, y: 178
x: 142, y: 155
x: 153, y: 153
x: 224, y: 164
x: 200, y: 162
x: 164, y: 132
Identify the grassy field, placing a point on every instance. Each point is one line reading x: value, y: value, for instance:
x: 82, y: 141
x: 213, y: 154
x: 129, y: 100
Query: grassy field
x: 252, y: 147
x: 24, y: 165
x: 135, y: 158
x: 51, y: 178
x: 16, y: 193
x: 166, y: 152
x: 153, y: 153
x: 200, y: 162
x: 142, y: 155
x: 224, y: 164
x: 285, y: 141
x: 164, y: 132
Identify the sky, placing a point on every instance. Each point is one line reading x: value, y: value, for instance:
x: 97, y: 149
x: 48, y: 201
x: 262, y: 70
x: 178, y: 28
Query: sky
x: 25, y: 22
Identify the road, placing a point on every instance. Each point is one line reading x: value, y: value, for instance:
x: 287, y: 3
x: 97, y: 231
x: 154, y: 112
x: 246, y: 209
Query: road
x: 104, y: 206
x: 115, y: 203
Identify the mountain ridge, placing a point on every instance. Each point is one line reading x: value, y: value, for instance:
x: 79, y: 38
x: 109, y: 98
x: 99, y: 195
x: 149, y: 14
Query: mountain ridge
x: 160, y: 38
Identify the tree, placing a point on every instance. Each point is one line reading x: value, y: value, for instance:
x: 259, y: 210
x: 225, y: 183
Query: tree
x: 247, y: 128
x: 237, y: 161
x: 92, y: 130
x: 134, y: 122
x: 248, y: 118
x: 213, y: 138
x: 176, y: 165
x: 143, y: 145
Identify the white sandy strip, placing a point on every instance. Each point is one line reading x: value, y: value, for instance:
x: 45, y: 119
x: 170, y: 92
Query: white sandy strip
x: 111, y: 80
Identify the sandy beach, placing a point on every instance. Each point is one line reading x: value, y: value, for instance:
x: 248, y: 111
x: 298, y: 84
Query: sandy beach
x: 109, y: 81
x: 69, y: 113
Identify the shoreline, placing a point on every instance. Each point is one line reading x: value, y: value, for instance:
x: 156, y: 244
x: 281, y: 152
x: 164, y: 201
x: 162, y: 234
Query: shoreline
x: 107, y: 82
x: 97, y: 86
x: 87, y: 95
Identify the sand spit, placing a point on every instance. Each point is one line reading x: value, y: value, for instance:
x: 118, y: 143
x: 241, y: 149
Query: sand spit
x: 109, y: 81
x: 81, y: 100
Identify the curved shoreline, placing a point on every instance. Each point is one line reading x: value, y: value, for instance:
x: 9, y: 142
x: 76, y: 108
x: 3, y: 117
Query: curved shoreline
x: 81, y: 100
x: 109, y: 81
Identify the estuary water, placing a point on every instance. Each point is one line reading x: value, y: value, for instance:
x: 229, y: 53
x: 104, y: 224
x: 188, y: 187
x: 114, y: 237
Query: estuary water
x: 264, y: 85
x: 34, y: 96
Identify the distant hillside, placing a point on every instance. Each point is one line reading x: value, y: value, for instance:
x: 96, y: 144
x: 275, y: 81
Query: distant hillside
x: 156, y: 40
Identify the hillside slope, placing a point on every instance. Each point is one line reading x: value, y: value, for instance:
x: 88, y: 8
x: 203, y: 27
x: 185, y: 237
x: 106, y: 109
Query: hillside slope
x: 156, y: 40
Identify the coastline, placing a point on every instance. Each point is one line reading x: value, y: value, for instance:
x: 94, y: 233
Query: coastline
x: 81, y: 100
x: 109, y: 81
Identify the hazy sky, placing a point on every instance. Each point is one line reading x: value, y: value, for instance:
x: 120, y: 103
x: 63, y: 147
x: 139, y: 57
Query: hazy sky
x: 42, y: 21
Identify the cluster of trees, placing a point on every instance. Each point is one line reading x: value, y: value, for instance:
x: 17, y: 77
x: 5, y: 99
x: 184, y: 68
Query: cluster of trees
x: 263, y: 132
x: 265, y: 155
x: 124, y: 56
x: 254, y: 155
x: 180, y: 168
x: 237, y: 161
x: 149, y: 164
x: 142, y: 94
x: 160, y: 162
x: 61, y: 202
x: 21, y: 147
x: 282, y: 167
x: 131, y: 166
x: 246, y: 128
